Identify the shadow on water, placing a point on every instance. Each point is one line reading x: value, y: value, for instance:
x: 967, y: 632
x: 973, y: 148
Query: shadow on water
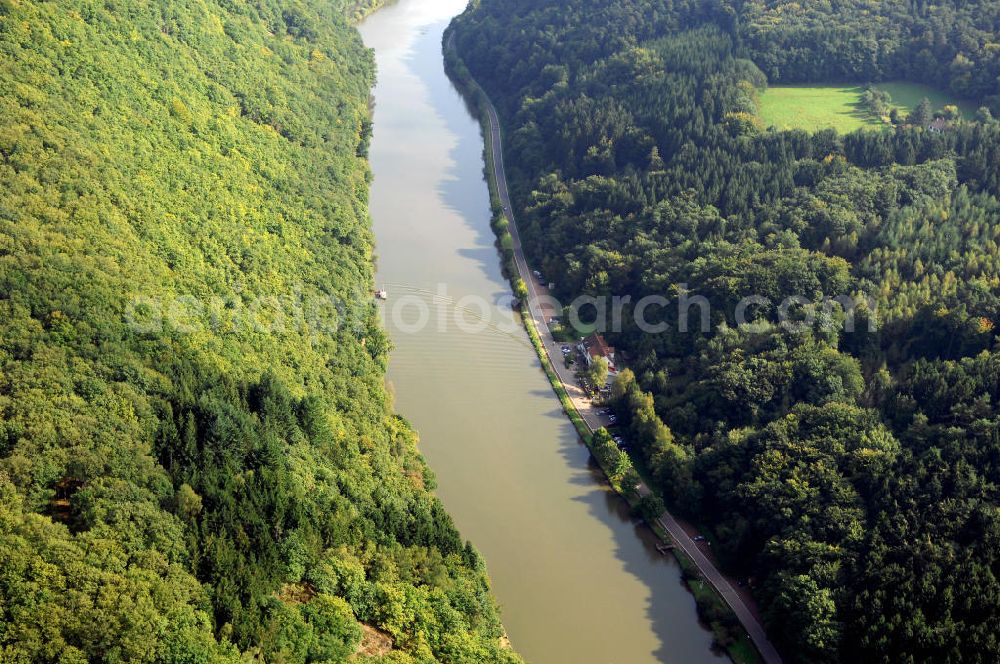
x: 670, y: 601
x: 669, y: 604
x: 427, y: 63
x: 669, y: 607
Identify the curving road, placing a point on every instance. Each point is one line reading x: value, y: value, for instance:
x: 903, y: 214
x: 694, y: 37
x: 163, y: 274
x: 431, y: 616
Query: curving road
x: 595, y: 420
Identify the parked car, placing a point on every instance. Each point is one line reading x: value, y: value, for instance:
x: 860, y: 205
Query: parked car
x: 698, y: 538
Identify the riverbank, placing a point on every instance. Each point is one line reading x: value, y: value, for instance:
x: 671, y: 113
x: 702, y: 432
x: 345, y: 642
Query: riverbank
x: 563, y: 553
x: 357, y: 11
x: 715, y: 604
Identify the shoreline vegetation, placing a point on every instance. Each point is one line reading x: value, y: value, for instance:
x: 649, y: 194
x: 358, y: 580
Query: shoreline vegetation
x: 712, y: 609
x: 357, y: 11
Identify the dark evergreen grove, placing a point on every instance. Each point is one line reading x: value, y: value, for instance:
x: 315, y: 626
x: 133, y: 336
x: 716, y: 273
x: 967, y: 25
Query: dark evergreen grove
x: 852, y: 476
x: 187, y: 474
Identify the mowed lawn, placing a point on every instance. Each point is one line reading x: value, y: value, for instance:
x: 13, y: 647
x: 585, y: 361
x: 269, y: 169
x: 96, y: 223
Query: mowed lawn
x: 839, y: 106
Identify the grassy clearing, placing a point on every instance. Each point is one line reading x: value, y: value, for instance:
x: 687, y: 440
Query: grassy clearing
x: 839, y: 107
x: 815, y: 107
x: 907, y: 96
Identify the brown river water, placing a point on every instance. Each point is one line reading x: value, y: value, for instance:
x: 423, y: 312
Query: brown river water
x: 580, y: 582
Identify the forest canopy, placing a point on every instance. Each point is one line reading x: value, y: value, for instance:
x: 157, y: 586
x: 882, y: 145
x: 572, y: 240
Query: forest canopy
x: 851, y: 476
x: 196, y: 463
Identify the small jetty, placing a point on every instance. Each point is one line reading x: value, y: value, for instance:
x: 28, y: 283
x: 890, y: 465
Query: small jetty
x: 665, y: 548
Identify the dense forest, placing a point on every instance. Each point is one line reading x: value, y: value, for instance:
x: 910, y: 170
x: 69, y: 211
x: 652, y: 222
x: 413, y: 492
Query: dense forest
x: 851, y: 476
x: 199, y: 461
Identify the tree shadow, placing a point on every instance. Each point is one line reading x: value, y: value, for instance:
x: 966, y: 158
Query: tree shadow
x: 470, y: 202
x: 670, y: 608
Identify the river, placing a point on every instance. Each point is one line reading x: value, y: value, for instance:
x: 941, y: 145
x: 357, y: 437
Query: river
x: 579, y: 581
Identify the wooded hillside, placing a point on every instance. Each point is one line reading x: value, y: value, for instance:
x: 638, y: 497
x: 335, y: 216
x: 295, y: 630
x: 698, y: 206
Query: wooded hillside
x: 198, y: 457
x: 851, y: 477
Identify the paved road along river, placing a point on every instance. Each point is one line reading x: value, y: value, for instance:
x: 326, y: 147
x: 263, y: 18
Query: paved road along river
x: 580, y: 582
x: 595, y: 420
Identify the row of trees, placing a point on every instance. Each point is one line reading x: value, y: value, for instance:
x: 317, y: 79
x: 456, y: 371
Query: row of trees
x: 848, y: 462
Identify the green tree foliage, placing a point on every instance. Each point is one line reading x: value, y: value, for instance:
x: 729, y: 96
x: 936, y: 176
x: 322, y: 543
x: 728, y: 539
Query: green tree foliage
x: 922, y: 114
x: 597, y: 372
x: 198, y: 457
x: 951, y: 45
x: 877, y: 101
x: 844, y: 451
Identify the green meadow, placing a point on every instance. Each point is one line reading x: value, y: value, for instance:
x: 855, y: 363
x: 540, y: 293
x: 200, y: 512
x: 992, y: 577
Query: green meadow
x: 839, y: 106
